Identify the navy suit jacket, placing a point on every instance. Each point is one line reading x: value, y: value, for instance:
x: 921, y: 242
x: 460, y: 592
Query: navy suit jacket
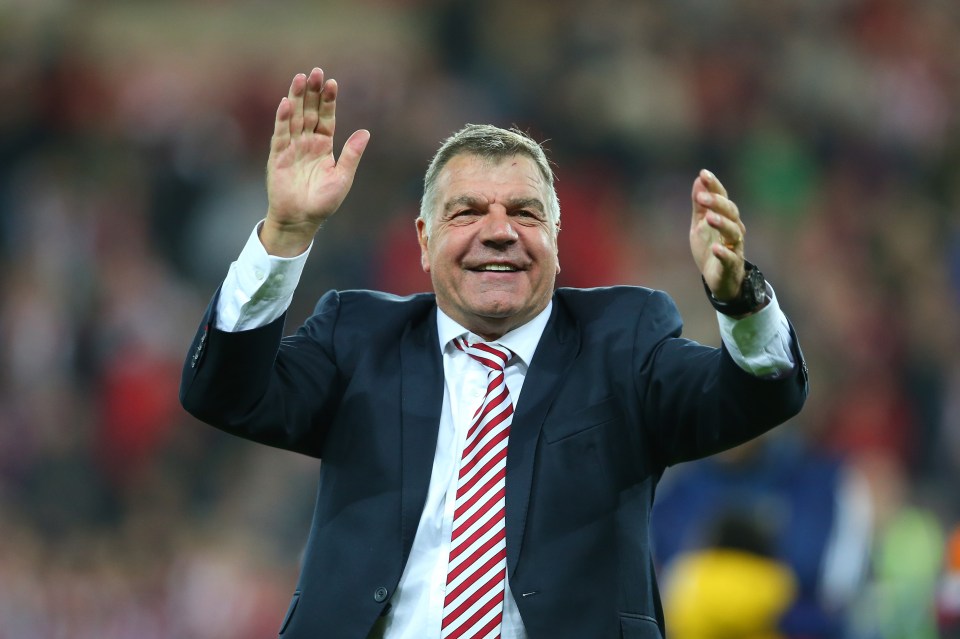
x: 612, y: 396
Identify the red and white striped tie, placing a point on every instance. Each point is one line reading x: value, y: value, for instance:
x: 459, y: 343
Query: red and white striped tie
x: 477, y: 567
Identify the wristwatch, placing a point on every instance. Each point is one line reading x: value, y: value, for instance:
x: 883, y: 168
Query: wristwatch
x: 753, y: 293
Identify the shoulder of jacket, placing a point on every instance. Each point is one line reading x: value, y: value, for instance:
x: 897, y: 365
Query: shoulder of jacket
x: 611, y: 305
x: 599, y: 292
x: 385, y: 300
x: 385, y: 307
x: 605, y: 296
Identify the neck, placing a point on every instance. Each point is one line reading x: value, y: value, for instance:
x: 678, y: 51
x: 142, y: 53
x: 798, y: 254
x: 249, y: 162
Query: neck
x: 489, y: 328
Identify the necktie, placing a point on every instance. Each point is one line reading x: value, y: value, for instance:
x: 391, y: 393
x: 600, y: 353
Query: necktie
x: 477, y: 567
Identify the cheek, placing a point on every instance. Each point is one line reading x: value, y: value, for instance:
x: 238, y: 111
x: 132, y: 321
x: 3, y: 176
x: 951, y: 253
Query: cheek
x: 435, y: 257
x: 442, y: 253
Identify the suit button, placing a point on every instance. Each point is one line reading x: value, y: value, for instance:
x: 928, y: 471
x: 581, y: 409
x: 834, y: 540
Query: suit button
x: 380, y: 594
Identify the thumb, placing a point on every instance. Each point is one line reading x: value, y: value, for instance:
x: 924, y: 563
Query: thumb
x: 352, y: 151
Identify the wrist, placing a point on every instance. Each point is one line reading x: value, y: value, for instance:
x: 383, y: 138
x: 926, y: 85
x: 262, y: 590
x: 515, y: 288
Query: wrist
x: 752, y: 297
x: 285, y: 240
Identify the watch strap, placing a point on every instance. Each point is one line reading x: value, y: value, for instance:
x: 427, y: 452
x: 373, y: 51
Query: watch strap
x: 753, y: 293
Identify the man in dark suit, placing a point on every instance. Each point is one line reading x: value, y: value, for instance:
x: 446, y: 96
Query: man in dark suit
x: 489, y: 451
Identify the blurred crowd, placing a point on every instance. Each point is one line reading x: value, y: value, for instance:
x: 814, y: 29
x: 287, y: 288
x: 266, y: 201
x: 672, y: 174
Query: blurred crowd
x: 132, y: 143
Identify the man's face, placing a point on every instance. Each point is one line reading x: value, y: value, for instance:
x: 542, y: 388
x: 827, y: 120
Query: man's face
x: 491, y: 251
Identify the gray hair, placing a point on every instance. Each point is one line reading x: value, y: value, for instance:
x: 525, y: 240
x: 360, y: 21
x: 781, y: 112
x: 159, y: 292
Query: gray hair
x: 491, y: 143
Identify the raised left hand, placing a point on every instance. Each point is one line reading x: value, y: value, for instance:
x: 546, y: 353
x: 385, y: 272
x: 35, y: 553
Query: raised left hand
x: 717, y: 236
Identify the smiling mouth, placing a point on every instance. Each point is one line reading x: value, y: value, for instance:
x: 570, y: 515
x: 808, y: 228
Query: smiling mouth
x: 495, y: 268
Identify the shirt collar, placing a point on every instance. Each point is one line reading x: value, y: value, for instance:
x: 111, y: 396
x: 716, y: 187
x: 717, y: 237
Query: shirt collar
x: 522, y: 340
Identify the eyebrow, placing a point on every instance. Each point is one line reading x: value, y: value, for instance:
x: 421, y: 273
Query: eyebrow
x: 511, y: 204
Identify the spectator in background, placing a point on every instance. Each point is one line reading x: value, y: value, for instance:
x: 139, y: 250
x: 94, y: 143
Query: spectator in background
x: 731, y: 587
x: 948, y: 595
x: 815, y: 509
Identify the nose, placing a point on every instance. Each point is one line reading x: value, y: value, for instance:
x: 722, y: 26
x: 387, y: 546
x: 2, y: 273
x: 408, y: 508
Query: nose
x: 498, y: 227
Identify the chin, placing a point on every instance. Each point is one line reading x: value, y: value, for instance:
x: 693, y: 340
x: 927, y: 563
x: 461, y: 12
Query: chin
x: 497, y: 307
x: 495, y: 312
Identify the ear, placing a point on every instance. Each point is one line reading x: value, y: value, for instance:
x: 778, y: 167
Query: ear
x: 423, y: 239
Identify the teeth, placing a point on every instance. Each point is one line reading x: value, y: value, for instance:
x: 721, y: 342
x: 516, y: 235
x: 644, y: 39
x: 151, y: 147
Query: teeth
x: 497, y: 267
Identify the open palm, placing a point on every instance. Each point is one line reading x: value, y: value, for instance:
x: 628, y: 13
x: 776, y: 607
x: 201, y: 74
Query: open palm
x: 305, y: 182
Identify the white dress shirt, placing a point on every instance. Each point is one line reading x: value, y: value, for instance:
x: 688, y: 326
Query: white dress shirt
x: 259, y: 288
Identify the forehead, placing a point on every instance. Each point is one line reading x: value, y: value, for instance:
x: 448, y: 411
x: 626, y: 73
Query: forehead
x: 511, y: 176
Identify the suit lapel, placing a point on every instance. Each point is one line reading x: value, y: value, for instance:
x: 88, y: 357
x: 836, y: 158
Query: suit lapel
x: 421, y: 400
x: 555, y: 353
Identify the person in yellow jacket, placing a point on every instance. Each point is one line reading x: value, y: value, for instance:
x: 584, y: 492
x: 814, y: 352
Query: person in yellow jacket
x: 731, y: 590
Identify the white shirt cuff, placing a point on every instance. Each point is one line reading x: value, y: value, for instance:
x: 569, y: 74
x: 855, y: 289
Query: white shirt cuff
x: 259, y: 287
x: 759, y: 343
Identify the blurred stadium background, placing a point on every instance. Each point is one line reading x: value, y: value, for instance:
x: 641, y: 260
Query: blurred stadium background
x: 133, y: 137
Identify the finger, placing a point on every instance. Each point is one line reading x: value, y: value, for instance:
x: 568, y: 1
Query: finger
x: 281, y: 128
x: 728, y: 257
x: 722, y: 205
x: 699, y: 187
x: 711, y: 182
x: 352, y: 151
x: 730, y: 231
x: 328, y: 108
x: 297, y: 89
x: 311, y: 100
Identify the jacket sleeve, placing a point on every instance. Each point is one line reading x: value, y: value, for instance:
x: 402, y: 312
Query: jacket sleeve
x: 261, y: 386
x: 694, y: 399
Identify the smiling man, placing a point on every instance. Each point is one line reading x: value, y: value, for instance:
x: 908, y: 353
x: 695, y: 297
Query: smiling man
x: 490, y: 450
x: 488, y: 238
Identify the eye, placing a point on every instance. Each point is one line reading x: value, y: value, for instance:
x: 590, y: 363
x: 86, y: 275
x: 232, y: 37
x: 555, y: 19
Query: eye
x: 463, y: 216
x: 528, y: 215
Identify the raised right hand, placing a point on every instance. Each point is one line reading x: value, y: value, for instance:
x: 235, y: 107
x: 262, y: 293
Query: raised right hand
x: 305, y: 182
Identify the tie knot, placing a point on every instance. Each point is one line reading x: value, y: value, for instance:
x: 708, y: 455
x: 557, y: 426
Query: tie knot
x: 491, y: 354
